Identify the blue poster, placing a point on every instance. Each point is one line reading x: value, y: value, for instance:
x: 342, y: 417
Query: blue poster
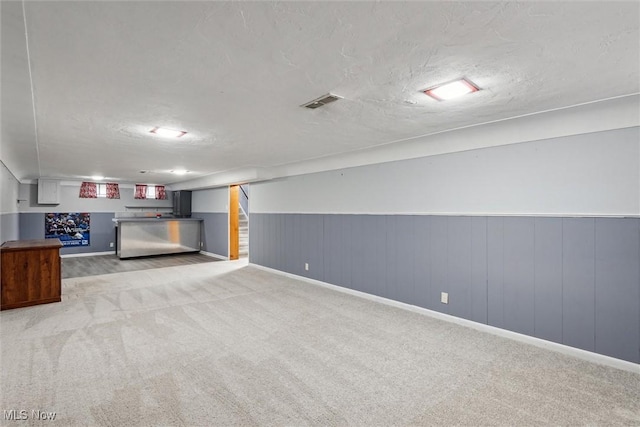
x: 71, y: 228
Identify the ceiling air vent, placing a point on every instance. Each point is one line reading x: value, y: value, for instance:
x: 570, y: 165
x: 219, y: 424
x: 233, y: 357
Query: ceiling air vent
x: 323, y: 100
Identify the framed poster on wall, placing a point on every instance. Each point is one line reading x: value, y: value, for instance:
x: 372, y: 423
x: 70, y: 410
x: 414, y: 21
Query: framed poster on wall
x: 72, y: 228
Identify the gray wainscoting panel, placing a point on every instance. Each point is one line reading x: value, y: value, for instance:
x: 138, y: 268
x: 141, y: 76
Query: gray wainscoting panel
x: 9, y: 226
x: 548, y: 279
x: 32, y: 225
x: 259, y: 228
x: 331, y: 251
x: 270, y: 240
x: 391, y: 259
x: 422, y: 260
x: 276, y: 238
x: 282, y: 245
x: 360, y: 258
x: 363, y: 256
x: 518, y: 274
x: 459, y: 266
x: 301, y: 255
x: 267, y: 242
x: 574, y: 281
x: 479, y: 269
x: 406, y: 257
x: 495, y: 271
x: 337, y: 250
x: 215, y: 232
x: 346, y: 251
x: 617, y: 296
x: 255, y: 238
x: 102, y: 231
x: 273, y: 222
x: 311, y: 245
x: 279, y: 245
x: 295, y: 256
x: 439, y: 254
x: 400, y: 258
x: 578, y: 282
x: 291, y: 256
x: 368, y: 258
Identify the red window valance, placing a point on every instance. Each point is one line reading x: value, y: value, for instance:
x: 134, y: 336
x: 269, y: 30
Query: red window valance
x: 141, y: 191
x: 88, y: 190
x: 161, y: 194
x: 113, y: 191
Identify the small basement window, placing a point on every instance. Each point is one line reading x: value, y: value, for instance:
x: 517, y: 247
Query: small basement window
x: 101, y: 190
x: 151, y: 191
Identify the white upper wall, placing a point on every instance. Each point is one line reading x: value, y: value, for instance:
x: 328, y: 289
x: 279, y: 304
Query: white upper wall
x: 71, y: 202
x: 610, y: 114
x: 8, y: 191
x: 589, y: 174
x: 212, y: 200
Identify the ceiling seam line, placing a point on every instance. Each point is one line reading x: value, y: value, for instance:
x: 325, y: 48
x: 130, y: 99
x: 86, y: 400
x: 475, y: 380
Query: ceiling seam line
x: 33, y: 97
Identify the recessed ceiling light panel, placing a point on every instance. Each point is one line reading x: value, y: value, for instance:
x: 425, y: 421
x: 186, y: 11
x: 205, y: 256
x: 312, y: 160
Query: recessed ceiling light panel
x: 179, y: 171
x: 451, y: 90
x: 168, y: 133
x: 97, y: 177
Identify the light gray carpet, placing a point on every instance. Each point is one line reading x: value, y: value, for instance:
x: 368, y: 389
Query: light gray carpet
x: 225, y: 344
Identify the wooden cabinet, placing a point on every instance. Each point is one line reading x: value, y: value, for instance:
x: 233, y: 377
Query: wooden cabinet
x: 31, y: 273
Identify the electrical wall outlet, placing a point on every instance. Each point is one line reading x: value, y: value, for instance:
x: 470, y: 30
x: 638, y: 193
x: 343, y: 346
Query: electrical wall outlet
x: 110, y: 244
x: 444, y: 297
x: 306, y: 266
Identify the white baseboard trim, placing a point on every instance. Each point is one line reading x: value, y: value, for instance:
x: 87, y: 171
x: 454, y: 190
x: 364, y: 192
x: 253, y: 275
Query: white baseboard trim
x: 87, y: 254
x: 538, y: 342
x: 211, y: 254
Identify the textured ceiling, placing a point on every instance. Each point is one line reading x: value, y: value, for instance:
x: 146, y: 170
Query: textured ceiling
x: 233, y: 74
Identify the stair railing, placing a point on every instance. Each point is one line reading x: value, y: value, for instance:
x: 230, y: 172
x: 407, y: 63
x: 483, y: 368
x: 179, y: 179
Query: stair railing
x: 244, y: 202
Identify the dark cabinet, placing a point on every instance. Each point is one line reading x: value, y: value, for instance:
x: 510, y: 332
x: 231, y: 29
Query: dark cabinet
x: 31, y: 272
x: 182, y: 204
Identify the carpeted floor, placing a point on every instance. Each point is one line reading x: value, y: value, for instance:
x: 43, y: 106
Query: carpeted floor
x: 228, y: 344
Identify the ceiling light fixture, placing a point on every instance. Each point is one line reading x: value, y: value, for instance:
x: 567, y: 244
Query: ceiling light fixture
x: 97, y: 177
x: 451, y: 90
x: 168, y: 133
x: 179, y: 171
x: 323, y: 100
